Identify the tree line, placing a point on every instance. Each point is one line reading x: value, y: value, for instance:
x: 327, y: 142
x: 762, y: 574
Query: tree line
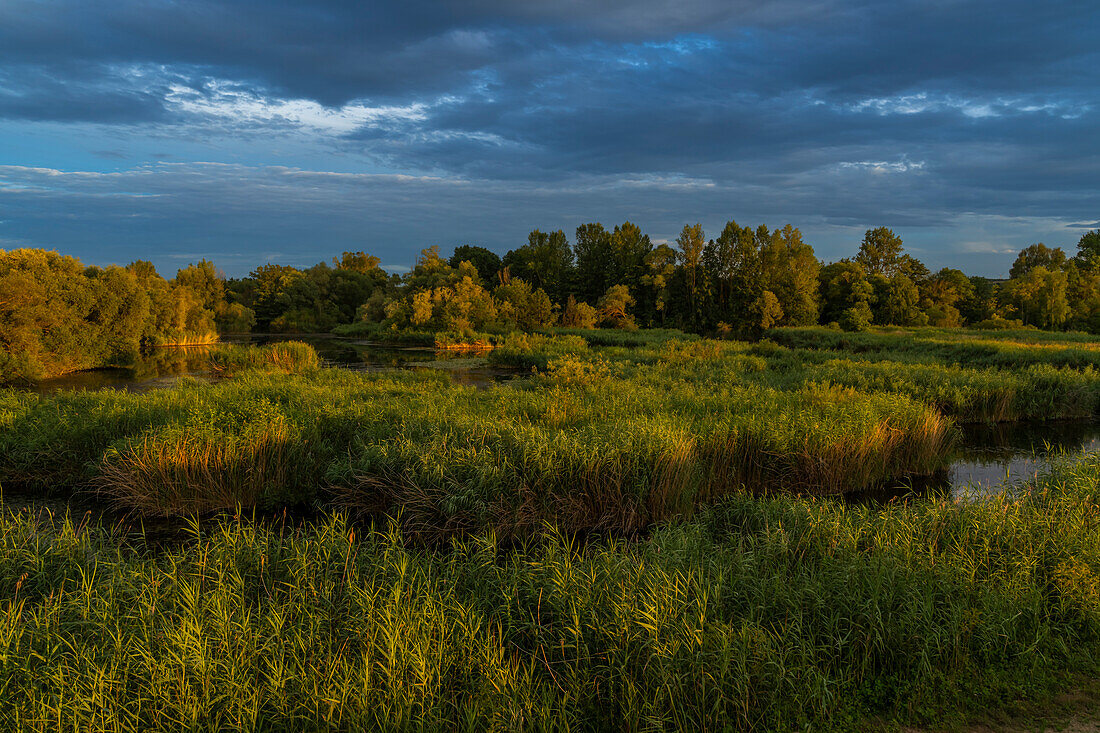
x: 57, y: 315
x: 739, y: 283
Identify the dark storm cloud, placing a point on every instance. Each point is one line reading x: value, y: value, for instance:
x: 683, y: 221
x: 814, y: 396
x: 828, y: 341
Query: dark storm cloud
x: 848, y: 113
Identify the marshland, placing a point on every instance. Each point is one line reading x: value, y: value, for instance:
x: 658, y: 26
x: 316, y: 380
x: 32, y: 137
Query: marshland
x: 474, y: 508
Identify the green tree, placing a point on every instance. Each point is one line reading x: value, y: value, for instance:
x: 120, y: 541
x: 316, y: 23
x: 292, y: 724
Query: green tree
x: 1083, y: 295
x: 767, y: 311
x: 205, y: 282
x: 628, y: 250
x: 262, y: 292
x: 546, y: 261
x: 488, y: 263
x: 880, y: 252
x: 578, y: 314
x: 790, y: 272
x: 359, y: 262
x: 733, y: 263
x: 614, y: 308
x: 856, y: 318
x: 981, y: 304
x: 526, y: 307
x: 844, y: 285
x: 592, y: 250
x: 430, y: 271
x: 942, y: 293
x: 689, y: 247
x: 901, y: 304
x: 1088, y: 250
x: 1037, y: 255
x: 660, y: 267
x: 1039, y: 296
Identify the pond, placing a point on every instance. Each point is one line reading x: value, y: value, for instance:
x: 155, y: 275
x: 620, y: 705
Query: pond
x: 992, y: 455
x: 161, y: 367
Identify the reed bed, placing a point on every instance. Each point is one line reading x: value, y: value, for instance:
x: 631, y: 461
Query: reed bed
x: 971, y: 376
x: 780, y: 613
x: 1002, y: 349
x: 206, y: 338
x: 605, y: 444
x: 599, y: 439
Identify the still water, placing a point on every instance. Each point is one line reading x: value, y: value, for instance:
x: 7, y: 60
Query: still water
x: 161, y: 367
x: 1014, y: 452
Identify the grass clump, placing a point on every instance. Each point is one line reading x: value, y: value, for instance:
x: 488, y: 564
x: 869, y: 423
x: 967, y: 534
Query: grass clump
x: 621, y: 337
x: 288, y: 357
x: 970, y: 375
x: 782, y: 613
x: 973, y: 348
x: 534, y: 350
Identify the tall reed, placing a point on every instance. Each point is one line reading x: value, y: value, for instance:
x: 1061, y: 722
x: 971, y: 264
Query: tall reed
x: 779, y: 613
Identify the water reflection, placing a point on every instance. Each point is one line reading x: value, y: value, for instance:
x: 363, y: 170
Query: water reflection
x: 1013, y: 453
x: 154, y: 369
x: 992, y: 457
x: 162, y: 367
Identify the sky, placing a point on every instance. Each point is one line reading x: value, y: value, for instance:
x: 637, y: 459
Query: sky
x: 247, y: 132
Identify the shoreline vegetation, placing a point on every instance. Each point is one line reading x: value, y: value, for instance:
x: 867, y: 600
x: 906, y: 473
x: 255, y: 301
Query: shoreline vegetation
x: 614, y: 438
x: 58, y: 316
x: 184, y: 341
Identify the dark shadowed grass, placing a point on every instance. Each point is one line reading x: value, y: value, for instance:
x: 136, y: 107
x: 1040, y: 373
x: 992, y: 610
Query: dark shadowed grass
x: 779, y: 613
x: 1001, y: 349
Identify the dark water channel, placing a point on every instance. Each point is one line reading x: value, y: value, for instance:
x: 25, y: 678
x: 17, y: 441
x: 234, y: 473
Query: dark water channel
x: 1014, y: 452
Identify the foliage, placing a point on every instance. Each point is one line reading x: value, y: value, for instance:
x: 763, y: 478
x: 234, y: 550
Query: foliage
x: 856, y: 318
x: 614, y: 308
x: 880, y: 252
x: 486, y: 262
x: 57, y: 316
x: 578, y: 315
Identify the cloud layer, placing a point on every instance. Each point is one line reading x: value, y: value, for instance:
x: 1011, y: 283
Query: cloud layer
x: 392, y: 126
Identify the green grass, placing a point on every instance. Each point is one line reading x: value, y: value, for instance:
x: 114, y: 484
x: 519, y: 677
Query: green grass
x: 973, y: 376
x: 572, y: 550
x: 600, y: 438
x: 611, y: 441
x: 289, y: 357
x: 620, y: 337
x: 779, y: 613
x: 971, y: 348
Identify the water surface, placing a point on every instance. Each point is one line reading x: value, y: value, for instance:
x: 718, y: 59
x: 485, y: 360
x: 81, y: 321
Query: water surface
x: 163, y: 366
